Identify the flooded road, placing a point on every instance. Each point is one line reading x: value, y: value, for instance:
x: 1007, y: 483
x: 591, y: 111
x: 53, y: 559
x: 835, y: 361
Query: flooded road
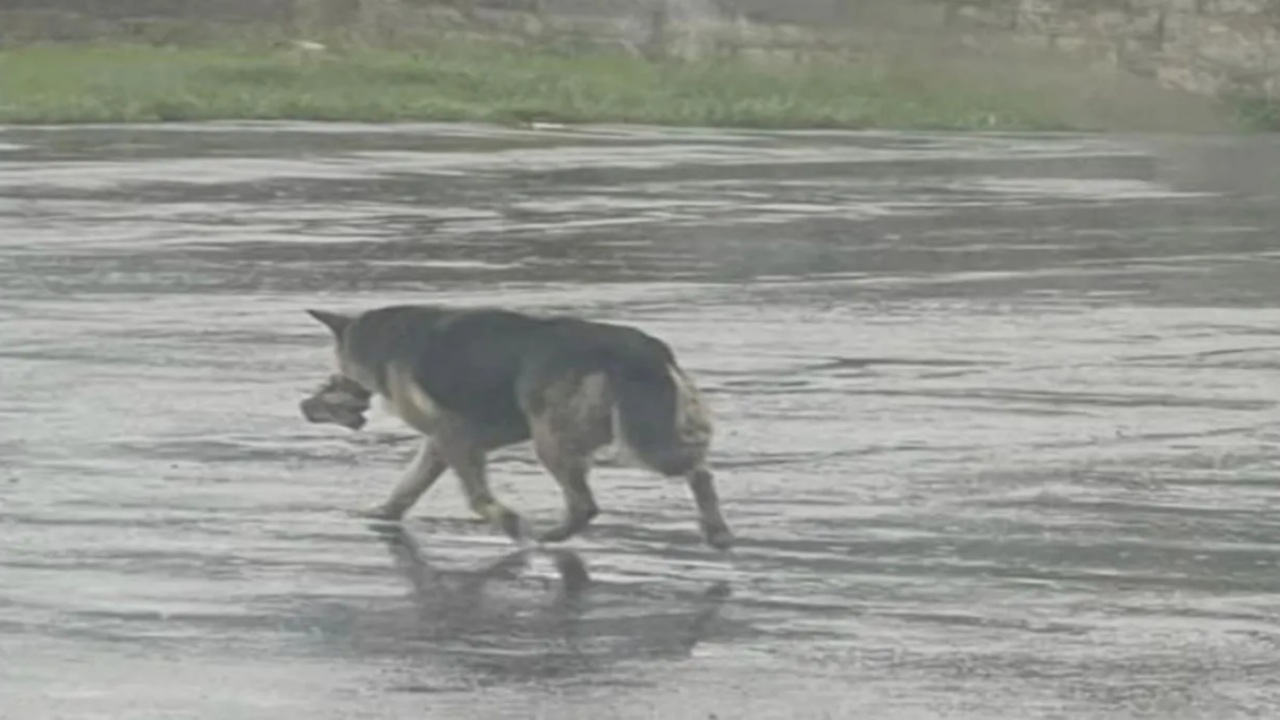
x: 998, y: 421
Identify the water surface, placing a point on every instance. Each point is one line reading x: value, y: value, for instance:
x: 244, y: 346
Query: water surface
x: 997, y: 425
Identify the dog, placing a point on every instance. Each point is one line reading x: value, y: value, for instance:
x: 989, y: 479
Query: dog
x: 475, y: 380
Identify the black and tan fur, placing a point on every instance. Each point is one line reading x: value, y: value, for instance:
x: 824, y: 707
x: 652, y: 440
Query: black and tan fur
x: 472, y: 381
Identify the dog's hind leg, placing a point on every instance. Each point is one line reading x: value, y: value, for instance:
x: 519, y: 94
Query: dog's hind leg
x: 570, y: 419
x: 665, y: 421
x: 570, y: 469
x: 424, y: 470
x: 714, y: 528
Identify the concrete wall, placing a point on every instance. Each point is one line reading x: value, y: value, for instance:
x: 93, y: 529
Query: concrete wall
x: 1210, y: 47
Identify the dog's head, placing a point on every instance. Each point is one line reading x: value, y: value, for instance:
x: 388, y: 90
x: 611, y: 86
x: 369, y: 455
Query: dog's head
x: 345, y: 397
x: 356, y: 339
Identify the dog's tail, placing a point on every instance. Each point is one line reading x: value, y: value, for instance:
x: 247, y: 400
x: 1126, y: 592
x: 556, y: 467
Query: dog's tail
x: 659, y: 414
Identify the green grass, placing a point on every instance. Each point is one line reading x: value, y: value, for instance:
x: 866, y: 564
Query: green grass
x: 1258, y: 113
x: 482, y: 81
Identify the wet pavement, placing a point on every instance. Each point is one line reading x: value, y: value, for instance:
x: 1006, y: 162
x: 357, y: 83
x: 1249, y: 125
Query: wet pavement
x: 998, y: 426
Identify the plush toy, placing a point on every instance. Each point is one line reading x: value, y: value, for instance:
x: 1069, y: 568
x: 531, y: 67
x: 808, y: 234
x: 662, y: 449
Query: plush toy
x: 339, y: 401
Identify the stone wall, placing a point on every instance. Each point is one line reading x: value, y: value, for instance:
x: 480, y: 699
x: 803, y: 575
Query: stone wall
x: 245, y: 10
x: 1209, y: 47
x: 176, y: 20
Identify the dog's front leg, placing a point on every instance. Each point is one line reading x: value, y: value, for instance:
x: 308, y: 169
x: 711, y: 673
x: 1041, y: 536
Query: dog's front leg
x: 426, y: 467
x: 714, y: 528
x: 460, y: 448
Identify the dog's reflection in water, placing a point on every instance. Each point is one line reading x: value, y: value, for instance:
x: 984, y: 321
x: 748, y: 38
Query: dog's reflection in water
x: 509, y: 625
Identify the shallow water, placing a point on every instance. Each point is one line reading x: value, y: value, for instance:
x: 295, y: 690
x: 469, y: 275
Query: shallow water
x: 997, y: 416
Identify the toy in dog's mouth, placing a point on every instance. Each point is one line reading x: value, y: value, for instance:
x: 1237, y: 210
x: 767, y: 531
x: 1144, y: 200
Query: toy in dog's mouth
x: 339, y: 401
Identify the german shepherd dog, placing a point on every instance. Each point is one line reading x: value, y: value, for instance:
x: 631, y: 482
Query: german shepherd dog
x: 475, y: 380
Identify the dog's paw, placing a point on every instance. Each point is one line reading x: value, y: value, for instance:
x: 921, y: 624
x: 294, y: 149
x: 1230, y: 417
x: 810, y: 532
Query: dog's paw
x: 516, y: 527
x: 720, y: 538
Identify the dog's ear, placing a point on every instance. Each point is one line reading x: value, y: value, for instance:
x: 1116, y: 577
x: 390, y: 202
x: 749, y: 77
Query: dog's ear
x: 334, y: 321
